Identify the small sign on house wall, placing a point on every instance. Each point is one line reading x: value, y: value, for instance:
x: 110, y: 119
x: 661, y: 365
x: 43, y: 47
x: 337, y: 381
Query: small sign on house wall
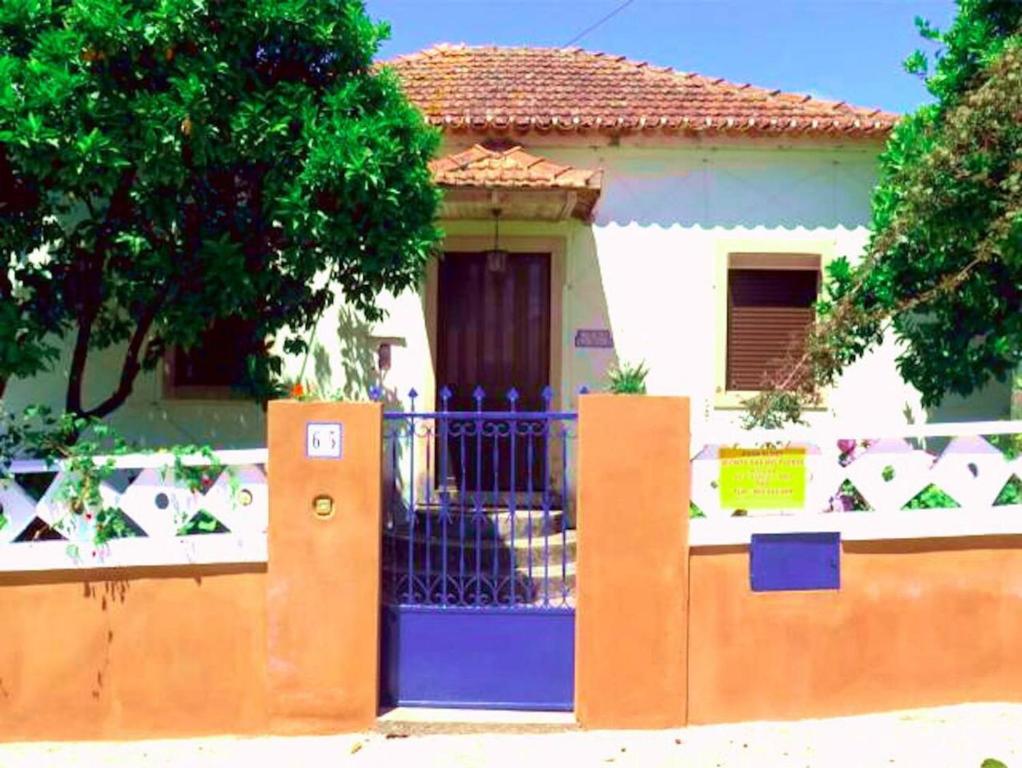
x: 324, y: 439
x: 593, y: 338
x: 762, y: 478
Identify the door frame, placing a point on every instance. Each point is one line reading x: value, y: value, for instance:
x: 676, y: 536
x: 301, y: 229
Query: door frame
x: 556, y: 246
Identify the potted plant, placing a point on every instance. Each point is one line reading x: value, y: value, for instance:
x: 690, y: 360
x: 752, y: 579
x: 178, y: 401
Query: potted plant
x: 628, y: 379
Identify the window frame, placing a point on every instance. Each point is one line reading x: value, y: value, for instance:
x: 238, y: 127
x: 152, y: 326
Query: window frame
x: 194, y: 392
x: 773, y: 254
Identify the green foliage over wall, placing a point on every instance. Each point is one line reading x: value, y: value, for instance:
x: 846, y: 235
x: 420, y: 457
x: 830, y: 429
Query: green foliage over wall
x: 947, y: 215
x: 167, y: 163
x: 943, y: 268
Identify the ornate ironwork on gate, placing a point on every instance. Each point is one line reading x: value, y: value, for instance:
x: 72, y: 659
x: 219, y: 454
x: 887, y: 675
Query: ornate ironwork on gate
x: 476, y: 506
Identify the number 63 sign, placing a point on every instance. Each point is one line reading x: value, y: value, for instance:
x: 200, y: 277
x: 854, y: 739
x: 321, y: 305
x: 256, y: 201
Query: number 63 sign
x: 324, y: 440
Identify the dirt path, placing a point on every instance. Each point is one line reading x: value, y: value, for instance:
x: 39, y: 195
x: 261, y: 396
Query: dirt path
x: 955, y: 737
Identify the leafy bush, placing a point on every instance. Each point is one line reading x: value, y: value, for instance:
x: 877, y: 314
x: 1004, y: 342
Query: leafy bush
x: 1011, y: 493
x: 932, y: 497
x: 849, y: 499
x: 36, y: 432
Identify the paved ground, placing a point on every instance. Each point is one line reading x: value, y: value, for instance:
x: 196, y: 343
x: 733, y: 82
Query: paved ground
x: 955, y: 737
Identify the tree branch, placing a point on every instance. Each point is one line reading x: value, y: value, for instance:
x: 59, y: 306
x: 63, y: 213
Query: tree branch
x: 80, y: 355
x: 6, y: 291
x: 802, y: 374
x: 132, y: 364
x: 91, y: 275
x: 6, y: 286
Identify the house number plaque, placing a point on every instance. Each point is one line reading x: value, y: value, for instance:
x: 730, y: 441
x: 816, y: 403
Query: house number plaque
x: 324, y: 440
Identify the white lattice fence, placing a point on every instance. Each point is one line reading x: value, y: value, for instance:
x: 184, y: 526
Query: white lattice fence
x: 930, y: 480
x: 164, y: 519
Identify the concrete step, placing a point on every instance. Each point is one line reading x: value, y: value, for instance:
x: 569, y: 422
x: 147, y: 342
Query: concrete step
x: 488, y: 520
x: 552, y: 548
x: 488, y: 559
x: 536, y: 498
x: 535, y: 571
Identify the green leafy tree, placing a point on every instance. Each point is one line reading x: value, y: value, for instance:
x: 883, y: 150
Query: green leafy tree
x: 25, y: 320
x: 167, y: 163
x: 943, y: 269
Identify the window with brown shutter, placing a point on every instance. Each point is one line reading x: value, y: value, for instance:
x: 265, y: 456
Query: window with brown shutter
x: 769, y: 314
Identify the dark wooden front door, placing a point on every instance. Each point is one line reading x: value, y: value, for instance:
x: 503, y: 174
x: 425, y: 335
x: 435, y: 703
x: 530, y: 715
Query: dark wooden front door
x: 493, y: 331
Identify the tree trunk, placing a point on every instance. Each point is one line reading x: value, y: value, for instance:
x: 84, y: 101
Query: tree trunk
x: 132, y: 364
x: 79, y: 357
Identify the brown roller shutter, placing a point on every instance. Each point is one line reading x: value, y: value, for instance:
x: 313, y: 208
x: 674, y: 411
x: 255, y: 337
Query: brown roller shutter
x: 769, y: 312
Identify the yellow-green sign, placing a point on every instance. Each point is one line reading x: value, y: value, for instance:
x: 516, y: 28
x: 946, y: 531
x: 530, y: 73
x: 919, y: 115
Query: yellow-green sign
x: 762, y: 478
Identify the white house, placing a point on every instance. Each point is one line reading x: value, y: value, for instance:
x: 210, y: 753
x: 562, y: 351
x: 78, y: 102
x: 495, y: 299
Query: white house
x: 597, y: 210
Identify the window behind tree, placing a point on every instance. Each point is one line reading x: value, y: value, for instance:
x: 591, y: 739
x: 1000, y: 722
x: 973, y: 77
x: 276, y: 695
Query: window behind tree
x: 216, y: 366
x: 769, y: 316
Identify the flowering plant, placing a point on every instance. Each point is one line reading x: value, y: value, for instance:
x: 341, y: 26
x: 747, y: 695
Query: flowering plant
x: 302, y: 392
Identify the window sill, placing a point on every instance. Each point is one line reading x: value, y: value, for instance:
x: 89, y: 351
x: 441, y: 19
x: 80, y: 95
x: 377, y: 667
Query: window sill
x: 734, y: 400
x: 196, y: 393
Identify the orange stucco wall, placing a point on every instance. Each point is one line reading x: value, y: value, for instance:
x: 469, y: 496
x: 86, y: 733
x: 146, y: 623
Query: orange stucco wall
x: 229, y: 649
x: 630, y: 661
x: 132, y: 653
x: 323, y: 582
x: 915, y: 623
x: 664, y: 636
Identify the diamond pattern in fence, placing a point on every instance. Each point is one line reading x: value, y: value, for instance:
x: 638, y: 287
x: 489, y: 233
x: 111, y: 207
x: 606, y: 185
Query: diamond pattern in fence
x: 220, y: 517
x: 960, y: 467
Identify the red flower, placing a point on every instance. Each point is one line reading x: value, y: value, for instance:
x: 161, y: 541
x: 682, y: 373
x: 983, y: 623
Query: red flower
x: 297, y: 390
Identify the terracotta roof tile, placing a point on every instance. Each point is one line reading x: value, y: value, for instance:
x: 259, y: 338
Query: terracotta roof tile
x: 508, y: 165
x: 487, y: 89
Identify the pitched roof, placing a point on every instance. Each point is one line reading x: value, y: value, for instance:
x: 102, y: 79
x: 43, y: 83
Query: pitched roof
x: 530, y: 185
x: 522, y: 89
x: 493, y: 165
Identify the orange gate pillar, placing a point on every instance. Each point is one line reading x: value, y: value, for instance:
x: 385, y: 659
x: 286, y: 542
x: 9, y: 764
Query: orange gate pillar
x: 631, y: 659
x: 323, y: 573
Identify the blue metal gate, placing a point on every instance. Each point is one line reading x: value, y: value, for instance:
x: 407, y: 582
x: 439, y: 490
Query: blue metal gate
x: 478, y: 557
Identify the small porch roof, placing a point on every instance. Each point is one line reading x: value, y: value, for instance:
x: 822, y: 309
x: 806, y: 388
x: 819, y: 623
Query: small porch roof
x: 520, y: 184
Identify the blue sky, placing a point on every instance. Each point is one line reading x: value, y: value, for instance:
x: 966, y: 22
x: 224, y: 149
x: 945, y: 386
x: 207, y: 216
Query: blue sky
x: 850, y: 50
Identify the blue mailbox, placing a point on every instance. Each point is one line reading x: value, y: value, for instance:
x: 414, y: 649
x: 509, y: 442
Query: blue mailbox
x: 794, y: 561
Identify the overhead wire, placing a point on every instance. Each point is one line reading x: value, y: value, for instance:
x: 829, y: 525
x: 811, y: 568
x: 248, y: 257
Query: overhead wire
x: 599, y: 22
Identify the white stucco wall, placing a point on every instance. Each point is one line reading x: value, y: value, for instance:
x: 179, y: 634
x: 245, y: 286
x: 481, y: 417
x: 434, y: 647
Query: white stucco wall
x: 147, y: 417
x: 647, y: 268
